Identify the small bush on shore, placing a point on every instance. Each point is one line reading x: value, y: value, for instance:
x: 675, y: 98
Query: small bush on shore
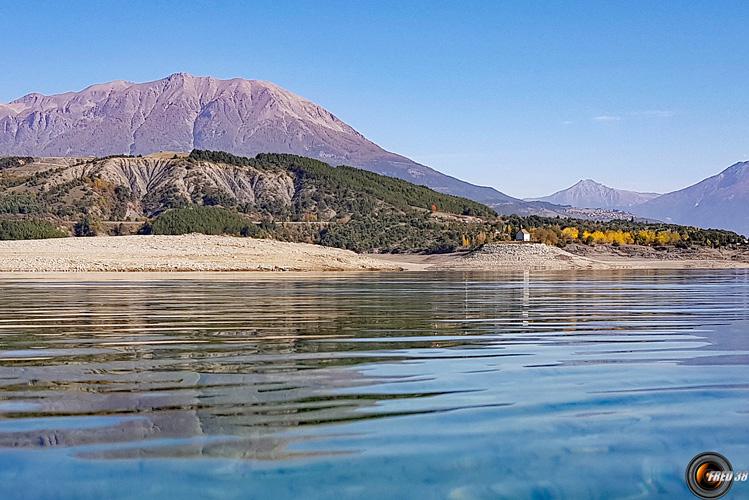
x: 205, y: 220
x: 29, y: 230
x: 88, y: 226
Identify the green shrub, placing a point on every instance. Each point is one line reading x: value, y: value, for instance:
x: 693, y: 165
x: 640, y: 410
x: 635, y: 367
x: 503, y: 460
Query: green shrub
x: 217, y: 197
x: 88, y: 226
x: 156, y: 201
x: 30, y: 229
x: 206, y: 220
x: 19, y: 203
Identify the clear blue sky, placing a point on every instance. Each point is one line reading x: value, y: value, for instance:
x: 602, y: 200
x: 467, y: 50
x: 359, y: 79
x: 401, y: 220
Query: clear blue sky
x: 525, y: 96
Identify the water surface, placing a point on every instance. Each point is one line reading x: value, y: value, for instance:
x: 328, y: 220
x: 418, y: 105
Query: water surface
x: 540, y: 385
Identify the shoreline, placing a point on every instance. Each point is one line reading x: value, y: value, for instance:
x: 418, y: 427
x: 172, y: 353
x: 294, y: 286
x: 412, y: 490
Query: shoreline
x: 196, y: 253
x: 170, y: 254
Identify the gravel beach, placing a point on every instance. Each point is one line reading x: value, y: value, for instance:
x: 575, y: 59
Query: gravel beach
x: 197, y: 252
x: 193, y: 252
x: 535, y: 256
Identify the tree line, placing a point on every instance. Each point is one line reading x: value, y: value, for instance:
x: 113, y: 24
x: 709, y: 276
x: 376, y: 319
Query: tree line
x: 344, y: 207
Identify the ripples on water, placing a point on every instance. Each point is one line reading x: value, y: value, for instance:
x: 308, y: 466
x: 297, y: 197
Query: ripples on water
x: 389, y: 385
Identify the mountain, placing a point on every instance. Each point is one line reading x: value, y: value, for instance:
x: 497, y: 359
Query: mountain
x: 720, y: 201
x: 591, y: 194
x: 183, y: 112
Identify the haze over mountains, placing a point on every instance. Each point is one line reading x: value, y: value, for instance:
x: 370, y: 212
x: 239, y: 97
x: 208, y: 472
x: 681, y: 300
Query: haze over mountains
x: 588, y: 193
x: 183, y: 112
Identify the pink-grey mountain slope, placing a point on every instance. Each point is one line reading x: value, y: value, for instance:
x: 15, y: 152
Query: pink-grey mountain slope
x: 720, y: 201
x: 588, y: 193
x: 184, y: 112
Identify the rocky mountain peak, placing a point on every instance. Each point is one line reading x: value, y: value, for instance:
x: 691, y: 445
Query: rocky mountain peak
x: 183, y: 112
x: 588, y: 193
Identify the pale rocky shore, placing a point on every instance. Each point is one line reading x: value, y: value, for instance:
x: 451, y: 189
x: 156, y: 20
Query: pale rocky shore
x: 202, y: 253
x: 535, y: 256
x: 538, y: 256
x: 192, y: 252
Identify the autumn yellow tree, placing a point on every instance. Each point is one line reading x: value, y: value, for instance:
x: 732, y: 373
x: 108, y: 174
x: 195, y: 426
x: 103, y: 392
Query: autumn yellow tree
x: 667, y: 237
x: 572, y: 233
x: 619, y: 237
x: 646, y: 236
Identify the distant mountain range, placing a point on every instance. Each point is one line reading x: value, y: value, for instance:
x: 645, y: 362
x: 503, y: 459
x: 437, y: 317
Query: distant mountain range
x: 243, y: 117
x: 591, y: 194
x: 720, y: 201
x: 246, y: 117
x: 183, y: 112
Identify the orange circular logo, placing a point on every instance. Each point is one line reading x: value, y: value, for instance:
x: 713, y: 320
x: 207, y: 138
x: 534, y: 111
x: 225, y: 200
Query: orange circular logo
x: 709, y: 475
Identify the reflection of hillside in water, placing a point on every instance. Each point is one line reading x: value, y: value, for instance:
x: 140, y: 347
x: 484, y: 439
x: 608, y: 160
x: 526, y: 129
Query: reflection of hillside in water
x: 232, y: 362
x: 229, y: 368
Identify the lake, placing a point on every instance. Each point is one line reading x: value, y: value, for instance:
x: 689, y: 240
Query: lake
x: 459, y: 386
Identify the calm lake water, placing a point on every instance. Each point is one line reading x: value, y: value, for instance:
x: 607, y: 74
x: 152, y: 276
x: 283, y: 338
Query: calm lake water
x: 540, y: 385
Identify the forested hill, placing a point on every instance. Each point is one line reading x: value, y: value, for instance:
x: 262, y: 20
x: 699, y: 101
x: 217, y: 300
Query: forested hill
x: 322, y: 190
x: 269, y: 186
x: 284, y: 197
x: 301, y: 199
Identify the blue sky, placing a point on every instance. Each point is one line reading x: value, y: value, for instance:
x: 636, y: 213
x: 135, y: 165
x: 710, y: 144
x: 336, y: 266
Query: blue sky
x: 525, y: 96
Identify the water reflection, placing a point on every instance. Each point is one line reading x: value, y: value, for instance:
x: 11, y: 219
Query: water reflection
x: 517, y: 373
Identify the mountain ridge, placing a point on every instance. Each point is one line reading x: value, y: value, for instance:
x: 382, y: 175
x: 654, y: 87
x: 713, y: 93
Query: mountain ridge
x: 247, y: 117
x: 588, y: 193
x: 183, y: 112
x: 719, y: 201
